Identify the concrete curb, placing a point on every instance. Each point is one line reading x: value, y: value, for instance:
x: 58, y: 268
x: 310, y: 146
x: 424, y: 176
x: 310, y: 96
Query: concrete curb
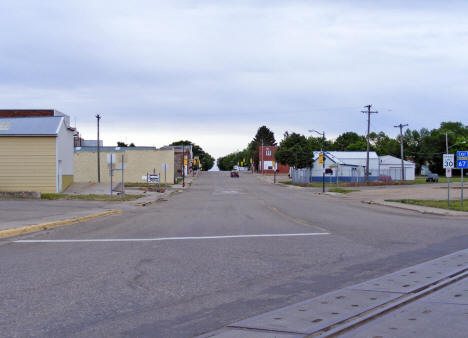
x: 420, y: 209
x: 50, y: 225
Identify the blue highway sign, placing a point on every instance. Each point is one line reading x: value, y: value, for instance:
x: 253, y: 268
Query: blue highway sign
x: 462, y: 155
x: 462, y: 159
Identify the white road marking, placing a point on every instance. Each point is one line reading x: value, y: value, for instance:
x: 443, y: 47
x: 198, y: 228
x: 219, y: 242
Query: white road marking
x: 165, y: 238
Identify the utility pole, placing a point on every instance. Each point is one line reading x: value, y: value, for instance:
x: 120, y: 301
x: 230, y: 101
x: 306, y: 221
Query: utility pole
x: 98, y: 117
x: 368, y: 112
x: 262, y: 156
x: 448, y: 178
x: 183, y: 165
x: 401, y: 149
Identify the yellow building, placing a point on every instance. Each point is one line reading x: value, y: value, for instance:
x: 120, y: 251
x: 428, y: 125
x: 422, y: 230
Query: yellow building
x: 138, y: 162
x: 36, y: 154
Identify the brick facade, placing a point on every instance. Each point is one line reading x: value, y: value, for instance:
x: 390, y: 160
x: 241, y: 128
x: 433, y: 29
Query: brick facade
x: 267, y: 155
x: 26, y: 112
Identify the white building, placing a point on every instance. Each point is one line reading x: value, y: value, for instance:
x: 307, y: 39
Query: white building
x: 391, y: 166
x: 346, y: 166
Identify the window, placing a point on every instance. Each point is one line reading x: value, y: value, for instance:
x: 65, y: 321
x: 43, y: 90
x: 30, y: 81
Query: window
x: 268, y: 152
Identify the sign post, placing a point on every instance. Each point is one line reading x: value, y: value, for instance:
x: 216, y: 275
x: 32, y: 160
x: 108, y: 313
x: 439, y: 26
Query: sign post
x: 448, y: 164
x: 462, y: 163
x: 164, y: 168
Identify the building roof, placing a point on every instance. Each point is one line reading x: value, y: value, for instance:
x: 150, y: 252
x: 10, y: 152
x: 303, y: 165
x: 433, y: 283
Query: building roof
x: 388, y: 159
x: 31, y: 126
x: 342, y: 156
x: 108, y: 149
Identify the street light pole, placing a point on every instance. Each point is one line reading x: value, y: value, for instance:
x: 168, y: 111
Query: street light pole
x: 323, y: 154
x: 98, y: 117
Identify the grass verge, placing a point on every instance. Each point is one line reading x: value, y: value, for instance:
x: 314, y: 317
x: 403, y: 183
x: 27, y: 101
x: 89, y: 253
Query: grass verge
x: 90, y: 197
x: 341, y: 190
x: 144, y: 185
x: 441, y: 204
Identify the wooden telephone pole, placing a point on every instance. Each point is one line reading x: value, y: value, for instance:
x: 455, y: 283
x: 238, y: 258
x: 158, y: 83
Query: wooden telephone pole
x: 368, y: 112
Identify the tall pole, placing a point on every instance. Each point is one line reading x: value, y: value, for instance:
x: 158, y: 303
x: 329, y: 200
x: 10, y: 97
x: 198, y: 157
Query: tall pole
x: 183, y: 165
x: 98, y: 117
x: 401, y: 150
x: 323, y: 164
x: 322, y: 150
x: 368, y: 112
x: 262, y: 156
x: 448, y: 178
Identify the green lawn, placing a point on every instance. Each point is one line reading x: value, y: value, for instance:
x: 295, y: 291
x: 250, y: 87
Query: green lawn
x: 442, y: 204
x: 442, y: 179
x: 90, y: 197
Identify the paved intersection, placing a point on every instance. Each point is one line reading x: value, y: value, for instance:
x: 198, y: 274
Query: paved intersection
x: 184, y: 287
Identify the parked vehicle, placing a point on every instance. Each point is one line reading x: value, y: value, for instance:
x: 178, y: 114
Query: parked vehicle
x: 431, y: 177
x: 234, y: 173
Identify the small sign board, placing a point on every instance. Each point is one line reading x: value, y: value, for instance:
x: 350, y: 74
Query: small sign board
x: 164, y: 167
x: 448, y: 172
x: 153, y: 178
x: 111, y: 158
x: 449, y: 161
x: 462, y: 159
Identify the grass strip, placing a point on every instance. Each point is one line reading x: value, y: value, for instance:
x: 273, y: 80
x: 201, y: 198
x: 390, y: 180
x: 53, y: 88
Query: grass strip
x: 341, y: 190
x: 144, y: 185
x: 441, y: 204
x: 90, y: 197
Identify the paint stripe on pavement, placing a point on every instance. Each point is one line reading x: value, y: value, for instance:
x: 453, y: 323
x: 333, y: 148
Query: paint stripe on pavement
x: 166, y: 238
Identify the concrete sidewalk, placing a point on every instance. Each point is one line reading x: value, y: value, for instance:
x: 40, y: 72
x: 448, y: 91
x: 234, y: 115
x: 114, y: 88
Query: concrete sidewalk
x: 429, y: 299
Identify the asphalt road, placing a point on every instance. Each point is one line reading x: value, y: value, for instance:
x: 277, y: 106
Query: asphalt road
x: 185, y: 287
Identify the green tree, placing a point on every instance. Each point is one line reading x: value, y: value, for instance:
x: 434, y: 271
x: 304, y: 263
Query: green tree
x: 296, y: 151
x: 350, y: 141
x: 384, y: 145
x: 263, y: 136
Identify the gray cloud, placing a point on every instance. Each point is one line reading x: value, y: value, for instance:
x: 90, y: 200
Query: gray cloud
x: 232, y: 66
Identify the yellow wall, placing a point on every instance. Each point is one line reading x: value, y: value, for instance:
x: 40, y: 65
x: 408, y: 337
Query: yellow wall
x: 67, y: 180
x: 27, y: 163
x: 138, y: 163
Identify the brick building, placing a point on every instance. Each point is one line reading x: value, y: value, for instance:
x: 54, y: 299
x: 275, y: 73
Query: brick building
x: 267, y: 163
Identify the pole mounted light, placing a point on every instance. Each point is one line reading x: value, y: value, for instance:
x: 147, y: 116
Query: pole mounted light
x: 323, y: 155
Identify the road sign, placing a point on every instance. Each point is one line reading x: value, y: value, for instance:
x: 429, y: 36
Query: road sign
x: 462, y: 159
x: 448, y: 172
x: 164, y: 167
x: 449, y: 161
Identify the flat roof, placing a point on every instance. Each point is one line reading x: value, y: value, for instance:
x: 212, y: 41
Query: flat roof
x: 107, y: 149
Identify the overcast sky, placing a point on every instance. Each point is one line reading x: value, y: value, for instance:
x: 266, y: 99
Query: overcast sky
x: 214, y: 71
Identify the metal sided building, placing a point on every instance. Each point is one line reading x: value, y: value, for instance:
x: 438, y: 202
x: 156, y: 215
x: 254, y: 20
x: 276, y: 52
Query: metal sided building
x: 36, y: 152
x: 391, y: 166
x: 346, y: 166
